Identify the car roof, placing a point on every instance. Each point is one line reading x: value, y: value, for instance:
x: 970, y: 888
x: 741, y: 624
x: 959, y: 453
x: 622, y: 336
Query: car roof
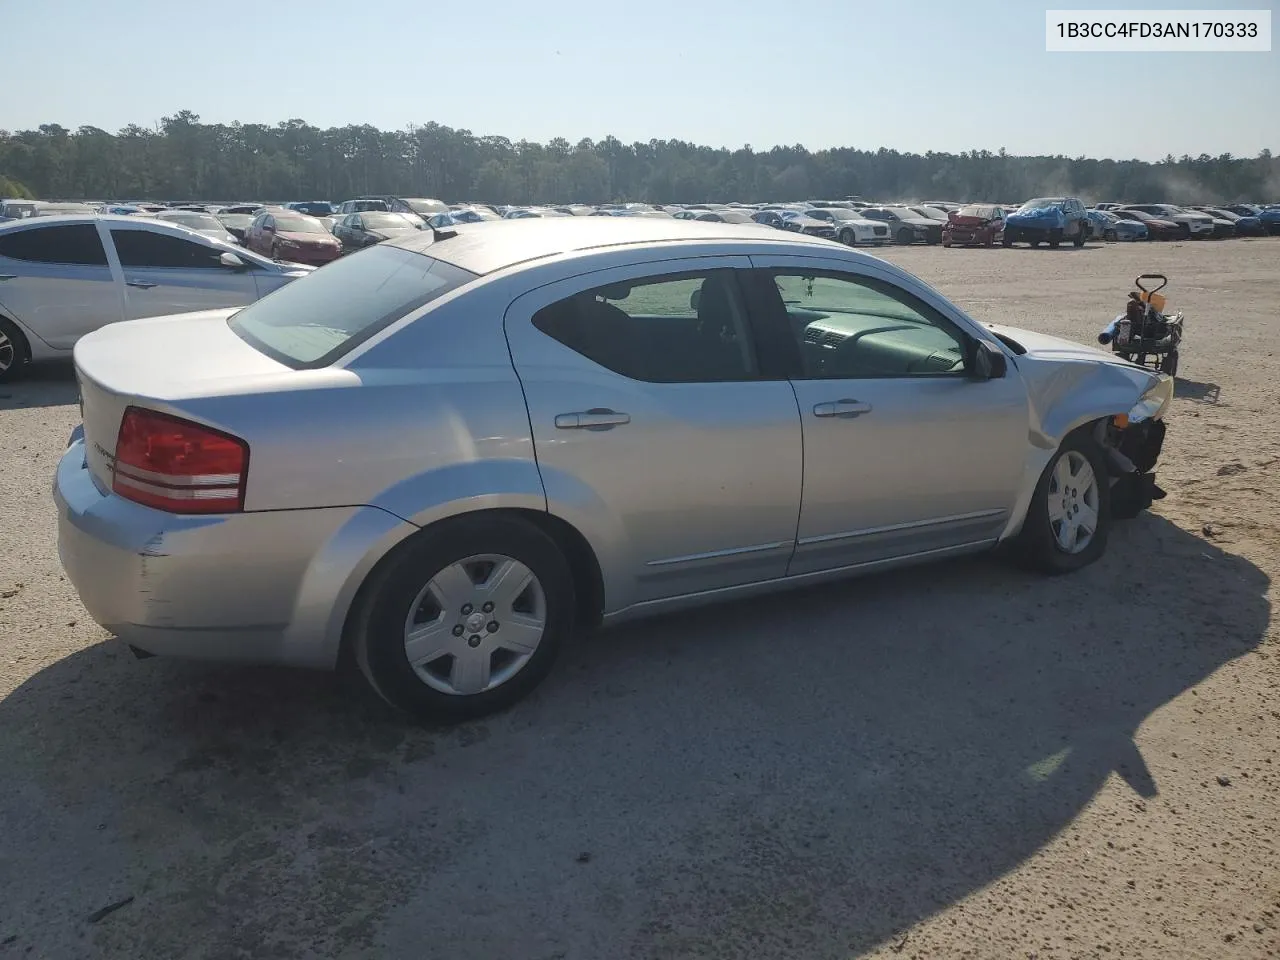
x: 483, y: 248
x: 111, y: 219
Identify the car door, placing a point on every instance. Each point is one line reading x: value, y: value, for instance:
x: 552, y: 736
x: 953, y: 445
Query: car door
x: 653, y: 423
x: 55, y: 280
x: 904, y: 453
x: 165, y: 273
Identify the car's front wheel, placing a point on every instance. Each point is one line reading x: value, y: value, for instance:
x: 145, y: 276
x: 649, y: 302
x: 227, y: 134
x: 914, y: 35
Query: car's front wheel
x: 848, y: 239
x: 466, y: 618
x: 1069, y: 519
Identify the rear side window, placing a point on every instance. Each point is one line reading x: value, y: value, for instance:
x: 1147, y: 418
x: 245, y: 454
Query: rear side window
x: 143, y: 248
x: 73, y: 243
x: 316, y: 319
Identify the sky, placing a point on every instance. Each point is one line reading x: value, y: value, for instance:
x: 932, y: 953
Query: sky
x: 912, y: 75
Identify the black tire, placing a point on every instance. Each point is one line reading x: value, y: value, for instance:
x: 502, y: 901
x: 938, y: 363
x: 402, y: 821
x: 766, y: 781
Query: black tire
x: 906, y: 237
x: 1184, y: 232
x: 1082, y: 235
x: 1039, y: 546
x: 1169, y: 365
x: 14, y: 351
x: 1006, y: 240
x: 378, y: 638
x: 848, y: 238
x: 1033, y: 243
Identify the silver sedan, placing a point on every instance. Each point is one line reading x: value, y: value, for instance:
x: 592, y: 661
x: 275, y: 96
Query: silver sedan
x: 439, y: 458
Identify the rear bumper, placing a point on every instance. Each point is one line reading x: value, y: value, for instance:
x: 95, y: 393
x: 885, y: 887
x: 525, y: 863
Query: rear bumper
x: 269, y: 587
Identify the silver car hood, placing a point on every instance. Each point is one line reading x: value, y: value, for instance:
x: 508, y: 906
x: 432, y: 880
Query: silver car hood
x: 1070, y: 383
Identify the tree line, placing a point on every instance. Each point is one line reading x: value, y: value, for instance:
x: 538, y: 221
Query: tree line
x: 182, y: 158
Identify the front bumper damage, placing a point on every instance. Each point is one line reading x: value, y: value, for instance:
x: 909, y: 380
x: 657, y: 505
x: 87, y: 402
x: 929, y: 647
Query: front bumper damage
x: 1132, y: 451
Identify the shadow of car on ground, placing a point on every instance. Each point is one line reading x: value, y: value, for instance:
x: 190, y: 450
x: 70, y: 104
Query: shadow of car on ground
x: 802, y: 775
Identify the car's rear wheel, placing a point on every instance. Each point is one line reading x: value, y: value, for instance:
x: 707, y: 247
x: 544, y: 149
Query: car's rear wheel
x: 466, y: 618
x: 1069, y: 519
x: 14, y: 351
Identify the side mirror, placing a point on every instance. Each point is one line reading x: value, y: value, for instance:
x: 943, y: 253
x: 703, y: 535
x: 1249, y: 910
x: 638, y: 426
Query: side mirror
x: 231, y: 261
x: 989, y: 362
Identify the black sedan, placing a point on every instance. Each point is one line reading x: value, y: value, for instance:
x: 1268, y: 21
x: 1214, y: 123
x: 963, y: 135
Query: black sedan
x: 364, y: 229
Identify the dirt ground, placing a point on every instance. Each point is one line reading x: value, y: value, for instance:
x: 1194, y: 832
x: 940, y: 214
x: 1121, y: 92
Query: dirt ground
x: 960, y: 760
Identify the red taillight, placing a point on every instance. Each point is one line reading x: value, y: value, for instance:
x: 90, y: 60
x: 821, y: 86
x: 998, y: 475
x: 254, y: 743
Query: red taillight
x: 179, y: 466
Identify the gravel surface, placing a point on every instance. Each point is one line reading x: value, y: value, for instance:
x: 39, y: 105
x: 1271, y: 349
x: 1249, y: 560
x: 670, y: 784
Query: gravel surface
x: 960, y: 760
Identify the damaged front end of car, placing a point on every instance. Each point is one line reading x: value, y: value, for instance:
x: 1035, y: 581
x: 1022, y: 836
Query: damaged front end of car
x: 1132, y: 442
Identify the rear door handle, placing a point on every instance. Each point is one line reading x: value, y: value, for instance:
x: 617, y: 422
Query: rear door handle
x: 841, y: 408
x: 591, y: 420
x: 141, y: 284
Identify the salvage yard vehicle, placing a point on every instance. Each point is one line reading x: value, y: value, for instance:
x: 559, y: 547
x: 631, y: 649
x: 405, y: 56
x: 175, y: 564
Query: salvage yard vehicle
x: 851, y: 228
x: 437, y: 460
x: 974, y: 224
x: 1111, y: 228
x: 62, y: 277
x: 905, y: 225
x: 293, y: 237
x: 1192, y: 224
x: 1048, y: 220
x: 1157, y: 228
x: 359, y: 230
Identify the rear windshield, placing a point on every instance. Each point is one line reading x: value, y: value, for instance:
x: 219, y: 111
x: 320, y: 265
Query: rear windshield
x: 317, y: 318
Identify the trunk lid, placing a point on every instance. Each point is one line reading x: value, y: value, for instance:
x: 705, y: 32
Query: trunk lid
x: 158, y: 363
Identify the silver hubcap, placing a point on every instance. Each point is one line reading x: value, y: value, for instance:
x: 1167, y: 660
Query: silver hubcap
x: 1073, y: 502
x: 475, y: 624
x: 8, y: 352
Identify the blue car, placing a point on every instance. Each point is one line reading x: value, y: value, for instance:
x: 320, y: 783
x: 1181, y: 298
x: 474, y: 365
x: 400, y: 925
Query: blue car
x: 1107, y: 226
x: 1270, y: 217
x: 1048, y: 220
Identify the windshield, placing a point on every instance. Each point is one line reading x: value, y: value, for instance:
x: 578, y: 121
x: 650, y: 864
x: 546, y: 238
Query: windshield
x: 1041, y: 202
x: 903, y: 213
x: 375, y: 220
x: 976, y: 210
x: 315, y: 319
x: 286, y: 224
x: 196, y: 221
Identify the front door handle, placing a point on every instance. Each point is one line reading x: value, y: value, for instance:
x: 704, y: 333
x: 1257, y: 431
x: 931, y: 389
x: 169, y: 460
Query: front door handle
x: 141, y: 284
x: 841, y: 408
x: 595, y: 419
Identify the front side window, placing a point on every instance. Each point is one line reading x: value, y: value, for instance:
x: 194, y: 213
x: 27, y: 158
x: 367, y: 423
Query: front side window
x: 143, y: 248
x: 314, y: 320
x: 685, y: 328
x: 851, y: 327
x: 72, y: 243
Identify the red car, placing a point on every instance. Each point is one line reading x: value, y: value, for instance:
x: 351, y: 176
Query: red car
x: 974, y: 223
x: 296, y: 237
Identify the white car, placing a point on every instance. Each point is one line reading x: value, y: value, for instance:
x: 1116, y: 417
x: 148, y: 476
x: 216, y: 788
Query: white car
x: 852, y: 228
x: 63, y: 277
x: 1196, y: 224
